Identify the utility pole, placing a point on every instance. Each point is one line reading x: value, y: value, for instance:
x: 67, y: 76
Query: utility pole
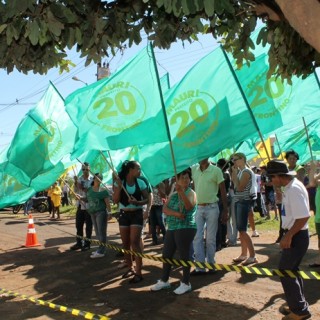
x: 103, y: 71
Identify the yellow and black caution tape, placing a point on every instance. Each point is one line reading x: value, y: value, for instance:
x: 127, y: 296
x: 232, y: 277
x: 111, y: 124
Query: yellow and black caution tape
x: 306, y: 275
x: 75, y: 312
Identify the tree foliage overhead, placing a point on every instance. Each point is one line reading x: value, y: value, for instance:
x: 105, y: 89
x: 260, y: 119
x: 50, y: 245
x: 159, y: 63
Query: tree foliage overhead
x: 34, y: 34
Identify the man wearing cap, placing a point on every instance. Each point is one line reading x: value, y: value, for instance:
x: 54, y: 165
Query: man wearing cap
x: 295, y: 242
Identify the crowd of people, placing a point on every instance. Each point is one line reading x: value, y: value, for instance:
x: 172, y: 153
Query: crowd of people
x: 201, y: 210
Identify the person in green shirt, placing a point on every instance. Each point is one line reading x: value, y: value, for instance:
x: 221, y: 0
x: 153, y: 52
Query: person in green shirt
x: 98, y: 208
x: 180, y: 210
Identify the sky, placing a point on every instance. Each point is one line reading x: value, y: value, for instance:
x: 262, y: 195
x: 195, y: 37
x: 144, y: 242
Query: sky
x: 19, y: 92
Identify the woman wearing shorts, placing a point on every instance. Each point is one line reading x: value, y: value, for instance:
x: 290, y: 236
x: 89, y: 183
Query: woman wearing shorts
x: 242, y: 177
x: 131, y: 194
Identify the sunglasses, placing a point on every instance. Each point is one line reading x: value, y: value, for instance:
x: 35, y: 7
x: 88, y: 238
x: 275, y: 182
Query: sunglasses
x: 83, y: 169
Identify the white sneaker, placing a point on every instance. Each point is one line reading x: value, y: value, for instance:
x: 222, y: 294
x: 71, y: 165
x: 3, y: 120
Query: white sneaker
x: 96, y: 255
x: 183, y: 288
x: 160, y: 285
x: 255, y: 233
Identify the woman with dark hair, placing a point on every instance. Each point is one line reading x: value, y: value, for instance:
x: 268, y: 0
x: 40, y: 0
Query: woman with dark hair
x: 292, y: 157
x: 131, y: 194
x: 98, y: 208
x: 180, y: 210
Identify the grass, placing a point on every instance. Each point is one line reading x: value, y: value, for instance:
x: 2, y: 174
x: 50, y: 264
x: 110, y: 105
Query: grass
x: 273, y: 225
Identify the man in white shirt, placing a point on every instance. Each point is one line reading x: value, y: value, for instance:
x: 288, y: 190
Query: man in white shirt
x: 295, y: 242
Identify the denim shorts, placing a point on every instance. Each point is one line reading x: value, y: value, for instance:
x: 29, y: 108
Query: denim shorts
x: 242, y: 209
x: 131, y: 218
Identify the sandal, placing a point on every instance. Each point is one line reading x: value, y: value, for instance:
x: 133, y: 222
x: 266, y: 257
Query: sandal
x: 136, y: 279
x: 250, y: 260
x: 239, y: 259
x: 128, y: 274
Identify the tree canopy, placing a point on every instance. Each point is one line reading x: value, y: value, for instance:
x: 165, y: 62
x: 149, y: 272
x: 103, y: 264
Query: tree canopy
x: 34, y: 34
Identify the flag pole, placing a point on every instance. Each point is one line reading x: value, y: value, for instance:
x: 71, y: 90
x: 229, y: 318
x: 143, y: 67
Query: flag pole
x: 246, y: 101
x: 279, y: 146
x: 94, y: 175
x: 307, y: 134
x: 164, y: 113
x: 114, y: 172
x: 70, y: 189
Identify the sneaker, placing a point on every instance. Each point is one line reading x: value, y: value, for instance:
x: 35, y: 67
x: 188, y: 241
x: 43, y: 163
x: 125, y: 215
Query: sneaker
x: 183, y: 288
x: 96, y: 255
x: 160, y: 285
x: 76, y: 247
x: 196, y: 272
x: 85, y: 248
x: 255, y: 234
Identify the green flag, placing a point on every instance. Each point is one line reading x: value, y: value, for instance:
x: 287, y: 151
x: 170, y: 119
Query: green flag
x: 295, y: 137
x: 165, y: 82
x: 119, y: 111
x: 12, y: 192
x: 206, y: 113
x: 44, y: 137
x: 275, y: 103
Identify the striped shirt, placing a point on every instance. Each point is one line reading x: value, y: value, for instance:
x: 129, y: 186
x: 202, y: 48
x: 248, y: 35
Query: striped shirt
x: 244, y: 194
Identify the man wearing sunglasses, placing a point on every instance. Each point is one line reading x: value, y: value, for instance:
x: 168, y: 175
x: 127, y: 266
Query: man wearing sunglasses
x: 82, y: 215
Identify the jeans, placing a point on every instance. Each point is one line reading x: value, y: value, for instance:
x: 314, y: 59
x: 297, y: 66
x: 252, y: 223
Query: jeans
x: 290, y: 260
x: 206, y: 216
x: 156, y: 218
x: 99, y: 220
x: 242, y: 208
x: 83, y: 217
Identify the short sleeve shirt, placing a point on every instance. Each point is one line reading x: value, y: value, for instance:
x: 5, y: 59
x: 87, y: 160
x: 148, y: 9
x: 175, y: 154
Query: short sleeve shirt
x: 96, y: 201
x: 206, y: 183
x: 295, y: 204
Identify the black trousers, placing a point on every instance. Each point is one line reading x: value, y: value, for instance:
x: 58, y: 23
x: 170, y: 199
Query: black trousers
x: 83, y: 217
x: 290, y: 260
x: 180, y: 240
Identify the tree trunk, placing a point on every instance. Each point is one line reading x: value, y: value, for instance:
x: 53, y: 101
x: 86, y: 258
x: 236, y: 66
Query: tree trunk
x: 304, y: 17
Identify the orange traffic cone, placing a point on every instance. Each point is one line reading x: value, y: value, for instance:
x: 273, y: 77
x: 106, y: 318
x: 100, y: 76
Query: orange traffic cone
x: 31, y: 240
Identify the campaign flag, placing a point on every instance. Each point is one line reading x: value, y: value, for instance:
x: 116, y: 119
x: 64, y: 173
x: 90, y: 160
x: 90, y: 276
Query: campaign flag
x: 275, y: 103
x: 206, y: 113
x: 295, y: 137
x: 123, y: 110
x: 12, y: 192
x: 43, y: 138
x: 165, y: 82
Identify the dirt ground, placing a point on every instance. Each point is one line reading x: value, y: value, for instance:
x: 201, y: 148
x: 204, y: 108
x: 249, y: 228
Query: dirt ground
x: 51, y: 272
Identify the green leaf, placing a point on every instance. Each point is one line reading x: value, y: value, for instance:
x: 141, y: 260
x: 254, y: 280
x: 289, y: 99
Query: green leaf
x: 34, y: 32
x: 209, y: 7
x: 54, y: 25
x: 177, y: 8
x: 3, y: 27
